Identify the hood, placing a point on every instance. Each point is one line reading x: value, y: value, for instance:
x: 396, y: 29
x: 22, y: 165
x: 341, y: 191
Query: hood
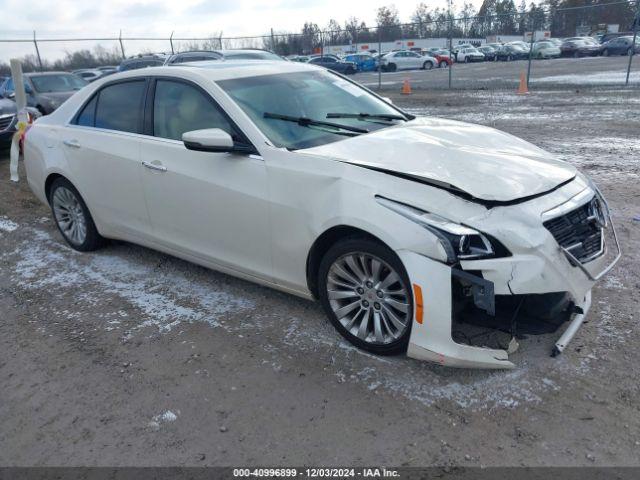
x: 57, y: 97
x: 7, y: 106
x: 479, y: 162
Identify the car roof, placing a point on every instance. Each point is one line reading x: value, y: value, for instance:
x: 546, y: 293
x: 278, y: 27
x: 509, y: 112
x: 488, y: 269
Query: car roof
x: 41, y: 74
x: 222, y: 70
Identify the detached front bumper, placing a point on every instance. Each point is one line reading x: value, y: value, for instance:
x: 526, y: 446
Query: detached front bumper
x: 549, y: 268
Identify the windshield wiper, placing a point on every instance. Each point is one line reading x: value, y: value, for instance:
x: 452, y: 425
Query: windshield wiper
x: 367, y: 116
x: 309, y: 122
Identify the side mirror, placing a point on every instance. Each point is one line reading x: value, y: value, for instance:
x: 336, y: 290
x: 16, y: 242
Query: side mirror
x: 213, y: 140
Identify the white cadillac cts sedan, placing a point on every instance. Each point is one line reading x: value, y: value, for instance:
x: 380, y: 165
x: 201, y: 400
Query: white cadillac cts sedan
x: 292, y: 176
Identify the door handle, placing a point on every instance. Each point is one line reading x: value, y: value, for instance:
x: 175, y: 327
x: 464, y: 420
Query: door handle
x: 72, y: 143
x: 154, y: 166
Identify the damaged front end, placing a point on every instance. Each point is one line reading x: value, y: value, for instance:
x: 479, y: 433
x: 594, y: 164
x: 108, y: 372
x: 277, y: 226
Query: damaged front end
x: 475, y: 310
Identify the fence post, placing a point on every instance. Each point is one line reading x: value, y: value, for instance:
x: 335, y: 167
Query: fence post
x: 171, y: 42
x: 121, y: 45
x: 530, y: 55
x: 636, y: 21
x: 451, y: 56
x: 379, y: 59
x: 35, y: 42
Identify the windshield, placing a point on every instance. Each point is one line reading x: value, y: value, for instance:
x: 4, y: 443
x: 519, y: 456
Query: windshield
x: 310, y: 94
x: 57, y: 83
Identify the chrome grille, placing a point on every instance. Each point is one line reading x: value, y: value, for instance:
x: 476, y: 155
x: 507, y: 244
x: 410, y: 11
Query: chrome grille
x: 6, y: 121
x: 580, y: 230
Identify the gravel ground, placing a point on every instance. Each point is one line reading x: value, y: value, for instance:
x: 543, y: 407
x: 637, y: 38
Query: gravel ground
x: 545, y: 74
x: 129, y: 357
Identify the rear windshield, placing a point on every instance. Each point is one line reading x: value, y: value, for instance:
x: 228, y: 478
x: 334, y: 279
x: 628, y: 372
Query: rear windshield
x: 57, y: 83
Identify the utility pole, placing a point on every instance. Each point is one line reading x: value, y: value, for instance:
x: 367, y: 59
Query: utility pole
x: 636, y: 21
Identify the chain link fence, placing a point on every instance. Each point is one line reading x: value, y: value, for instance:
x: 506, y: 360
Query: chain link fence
x: 488, y: 51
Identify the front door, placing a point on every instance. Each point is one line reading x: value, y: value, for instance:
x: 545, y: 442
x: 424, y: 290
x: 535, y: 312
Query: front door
x: 210, y: 205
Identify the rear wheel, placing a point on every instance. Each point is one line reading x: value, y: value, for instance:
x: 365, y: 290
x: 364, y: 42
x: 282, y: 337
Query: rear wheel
x: 72, y: 217
x: 365, y: 291
x: 427, y: 65
x: 392, y: 67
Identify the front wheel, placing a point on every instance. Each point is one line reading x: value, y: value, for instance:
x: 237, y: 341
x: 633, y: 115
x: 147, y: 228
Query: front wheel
x: 443, y: 64
x: 427, y: 65
x: 365, y: 291
x: 392, y: 67
x: 72, y: 217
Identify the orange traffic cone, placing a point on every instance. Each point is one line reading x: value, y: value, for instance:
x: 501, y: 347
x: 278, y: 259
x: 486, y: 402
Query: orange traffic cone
x: 406, y: 88
x: 523, y: 89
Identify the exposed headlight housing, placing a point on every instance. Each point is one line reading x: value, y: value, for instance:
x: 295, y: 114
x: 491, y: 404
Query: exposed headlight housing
x: 458, y: 241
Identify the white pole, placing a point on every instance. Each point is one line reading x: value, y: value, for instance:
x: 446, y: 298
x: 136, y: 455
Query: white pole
x: 21, y: 108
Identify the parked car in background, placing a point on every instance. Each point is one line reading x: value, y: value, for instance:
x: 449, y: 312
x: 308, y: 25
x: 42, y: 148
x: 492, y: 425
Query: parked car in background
x: 526, y: 46
x: 542, y: 50
x: 610, y: 36
x: 364, y: 62
x: 89, y: 74
x: 620, y: 46
x: 488, y: 52
x: 332, y: 63
x: 142, y: 61
x: 405, y: 60
x: 510, y: 52
x: 9, y: 121
x: 45, y: 91
x: 470, y: 54
x: 299, y: 58
x: 443, y: 57
x: 192, y: 56
x: 579, y: 48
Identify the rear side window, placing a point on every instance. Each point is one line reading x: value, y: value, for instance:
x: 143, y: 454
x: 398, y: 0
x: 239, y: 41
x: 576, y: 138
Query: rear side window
x: 88, y: 114
x: 120, y: 107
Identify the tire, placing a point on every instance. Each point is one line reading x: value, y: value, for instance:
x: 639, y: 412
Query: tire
x: 370, y: 319
x: 629, y: 52
x: 509, y: 58
x: 466, y: 60
x: 576, y: 54
x: 66, y: 202
x: 443, y: 64
x: 392, y: 67
x: 427, y: 65
x: 605, y: 53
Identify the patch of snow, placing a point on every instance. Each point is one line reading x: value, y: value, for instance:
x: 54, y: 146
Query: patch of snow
x: 7, y: 225
x: 596, y: 78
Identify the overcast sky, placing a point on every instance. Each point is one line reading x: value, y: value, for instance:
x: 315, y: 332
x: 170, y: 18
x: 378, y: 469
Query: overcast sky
x: 104, y: 18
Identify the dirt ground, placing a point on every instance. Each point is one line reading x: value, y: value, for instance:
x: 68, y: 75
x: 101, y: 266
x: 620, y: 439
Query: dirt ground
x: 129, y: 357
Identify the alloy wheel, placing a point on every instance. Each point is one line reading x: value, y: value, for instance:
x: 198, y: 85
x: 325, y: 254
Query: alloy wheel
x: 69, y: 215
x: 368, y: 298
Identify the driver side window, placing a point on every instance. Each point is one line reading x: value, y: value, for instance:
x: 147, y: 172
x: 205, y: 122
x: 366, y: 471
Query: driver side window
x: 179, y: 108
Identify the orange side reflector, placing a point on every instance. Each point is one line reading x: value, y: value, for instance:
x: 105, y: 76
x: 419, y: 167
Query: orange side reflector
x: 417, y: 294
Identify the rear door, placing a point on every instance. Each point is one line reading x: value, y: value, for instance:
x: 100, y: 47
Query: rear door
x: 210, y: 205
x: 102, y: 147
